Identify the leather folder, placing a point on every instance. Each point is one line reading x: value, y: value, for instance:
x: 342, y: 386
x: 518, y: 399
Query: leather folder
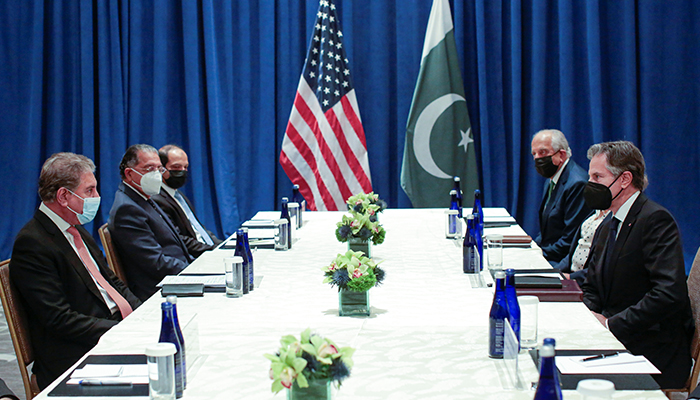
x: 569, y: 292
x: 621, y: 381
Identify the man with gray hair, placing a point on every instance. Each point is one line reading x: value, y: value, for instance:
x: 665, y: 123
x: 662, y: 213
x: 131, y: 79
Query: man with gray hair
x: 145, y: 239
x: 636, y: 283
x: 562, y: 209
x: 65, y: 285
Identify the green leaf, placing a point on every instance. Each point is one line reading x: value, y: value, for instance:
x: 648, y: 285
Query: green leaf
x: 305, y: 335
x: 301, y: 381
x: 317, y: 341
x: 277, y: 386
x: 299, y: 365
x: 309, y: 348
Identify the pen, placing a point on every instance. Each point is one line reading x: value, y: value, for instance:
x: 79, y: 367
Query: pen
x: 600, y: 356
x: 104, y: 382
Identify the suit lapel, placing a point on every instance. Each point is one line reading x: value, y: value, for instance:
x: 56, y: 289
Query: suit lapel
x: 59, y: 239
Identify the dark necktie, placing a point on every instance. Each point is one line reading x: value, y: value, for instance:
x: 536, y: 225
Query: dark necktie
x: 610, y: 246
x: 122, y: 303
x: 549, y: 192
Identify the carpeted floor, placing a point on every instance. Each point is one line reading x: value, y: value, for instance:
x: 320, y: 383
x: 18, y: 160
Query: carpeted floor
x: 9, y: 371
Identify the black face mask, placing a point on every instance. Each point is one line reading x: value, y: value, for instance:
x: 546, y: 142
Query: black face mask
x: 545, y: 166
x: 177, y: 178
x: 597, y: 196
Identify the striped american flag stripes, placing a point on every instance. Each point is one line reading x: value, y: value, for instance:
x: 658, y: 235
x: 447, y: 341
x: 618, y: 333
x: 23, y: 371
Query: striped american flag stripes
x: 324, y: 149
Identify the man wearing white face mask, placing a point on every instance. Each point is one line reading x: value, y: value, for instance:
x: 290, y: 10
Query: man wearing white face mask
x: 145, y: 239
x: 70, y: 294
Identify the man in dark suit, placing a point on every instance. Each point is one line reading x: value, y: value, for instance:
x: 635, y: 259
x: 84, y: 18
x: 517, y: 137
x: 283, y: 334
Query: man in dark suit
x: 562, y: 209
x: 145, y: 239
x: 636, y: 283
x: 70, y: 294
x: 177, y: 206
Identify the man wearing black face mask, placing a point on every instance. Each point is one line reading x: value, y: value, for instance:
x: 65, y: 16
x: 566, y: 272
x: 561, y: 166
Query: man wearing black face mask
x: 196, y: 237
x: 562, y: 209
x: 636, y: 283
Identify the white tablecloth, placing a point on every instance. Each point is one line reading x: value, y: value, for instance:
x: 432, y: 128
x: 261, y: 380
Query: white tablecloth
x: 427, y: 336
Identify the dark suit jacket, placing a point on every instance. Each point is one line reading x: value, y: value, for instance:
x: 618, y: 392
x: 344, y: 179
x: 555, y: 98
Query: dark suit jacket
x: 178, y: 217
x: 645, y: 295
x: 146, y: 241
x: 563, y: 214
x: 65, y: 311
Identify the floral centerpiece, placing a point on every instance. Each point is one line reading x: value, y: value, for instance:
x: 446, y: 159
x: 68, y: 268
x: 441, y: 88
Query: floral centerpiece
x: 366, y: 203
x: 308, y: 365
x: 361, y: 225
x: 354, y: 274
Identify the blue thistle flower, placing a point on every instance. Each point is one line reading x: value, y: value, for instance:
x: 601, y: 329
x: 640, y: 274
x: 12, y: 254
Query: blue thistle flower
x: 364, y: 234
x: 345, y: 231
x: 358, y: 208
x: 312, y: 364
x: 338, y: 370
x: 340, y: 278
x: 373, y: 218
x: 379, y: 274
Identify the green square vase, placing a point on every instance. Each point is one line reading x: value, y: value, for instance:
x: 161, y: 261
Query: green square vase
x: 319, y: 389
x: 352, y: 303
x: 364, y: 246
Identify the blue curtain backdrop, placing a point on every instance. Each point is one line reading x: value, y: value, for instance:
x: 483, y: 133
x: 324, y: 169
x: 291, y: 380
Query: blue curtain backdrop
x: 219, y: 78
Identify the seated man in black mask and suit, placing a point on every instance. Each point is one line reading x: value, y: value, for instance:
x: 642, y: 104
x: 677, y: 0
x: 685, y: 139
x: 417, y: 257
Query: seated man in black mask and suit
x: 636, y: 284
x: 562, y: 209
x: 70, y: 294
x: 177, y: 206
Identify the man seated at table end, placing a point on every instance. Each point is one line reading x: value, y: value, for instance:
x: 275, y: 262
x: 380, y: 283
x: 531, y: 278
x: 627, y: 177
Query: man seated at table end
x: 69, y: 292
x: 636, y: 284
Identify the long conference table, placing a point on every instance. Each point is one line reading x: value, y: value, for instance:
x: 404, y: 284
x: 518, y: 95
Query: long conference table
x: 426, y: 338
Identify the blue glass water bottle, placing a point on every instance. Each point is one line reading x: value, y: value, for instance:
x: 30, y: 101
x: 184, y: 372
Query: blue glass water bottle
x: 547, y: 386
x: 470, y: 253
x: 297, y: 198
x: 458, y: 190
x: 251, y: 268
x: 512, y: 301
x: 478, y: 212
x: 176, y: 322
x: 285, y: 215
x: 241, y: 252
x: 557, y: 384
x: 497, y: 317
x: 169, y: 335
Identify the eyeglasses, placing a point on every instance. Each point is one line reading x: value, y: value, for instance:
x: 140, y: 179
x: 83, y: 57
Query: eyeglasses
x: 153, y: 168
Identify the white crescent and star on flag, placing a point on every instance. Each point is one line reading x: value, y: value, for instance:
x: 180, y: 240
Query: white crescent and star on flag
x: 424, y: 128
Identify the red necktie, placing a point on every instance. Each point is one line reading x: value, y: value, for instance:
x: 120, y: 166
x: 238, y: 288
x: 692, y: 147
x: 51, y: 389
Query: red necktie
x: 123, y: 305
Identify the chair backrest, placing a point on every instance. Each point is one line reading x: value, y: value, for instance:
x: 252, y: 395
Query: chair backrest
x: 111, y: 254
x: 19, y: 329
x: 694, y: 294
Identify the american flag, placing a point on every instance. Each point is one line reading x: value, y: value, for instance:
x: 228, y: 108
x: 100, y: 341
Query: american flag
x: 324, y: 149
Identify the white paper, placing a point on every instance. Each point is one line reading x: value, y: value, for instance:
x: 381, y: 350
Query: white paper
x: 207, y: 280
x: 539, y: 275
x: 624, y: 363
x: 97, y: 371
x: 128, y: 373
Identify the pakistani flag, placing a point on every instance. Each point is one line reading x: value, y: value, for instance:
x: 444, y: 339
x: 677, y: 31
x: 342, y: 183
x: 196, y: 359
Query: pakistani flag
x: 439, y: 140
